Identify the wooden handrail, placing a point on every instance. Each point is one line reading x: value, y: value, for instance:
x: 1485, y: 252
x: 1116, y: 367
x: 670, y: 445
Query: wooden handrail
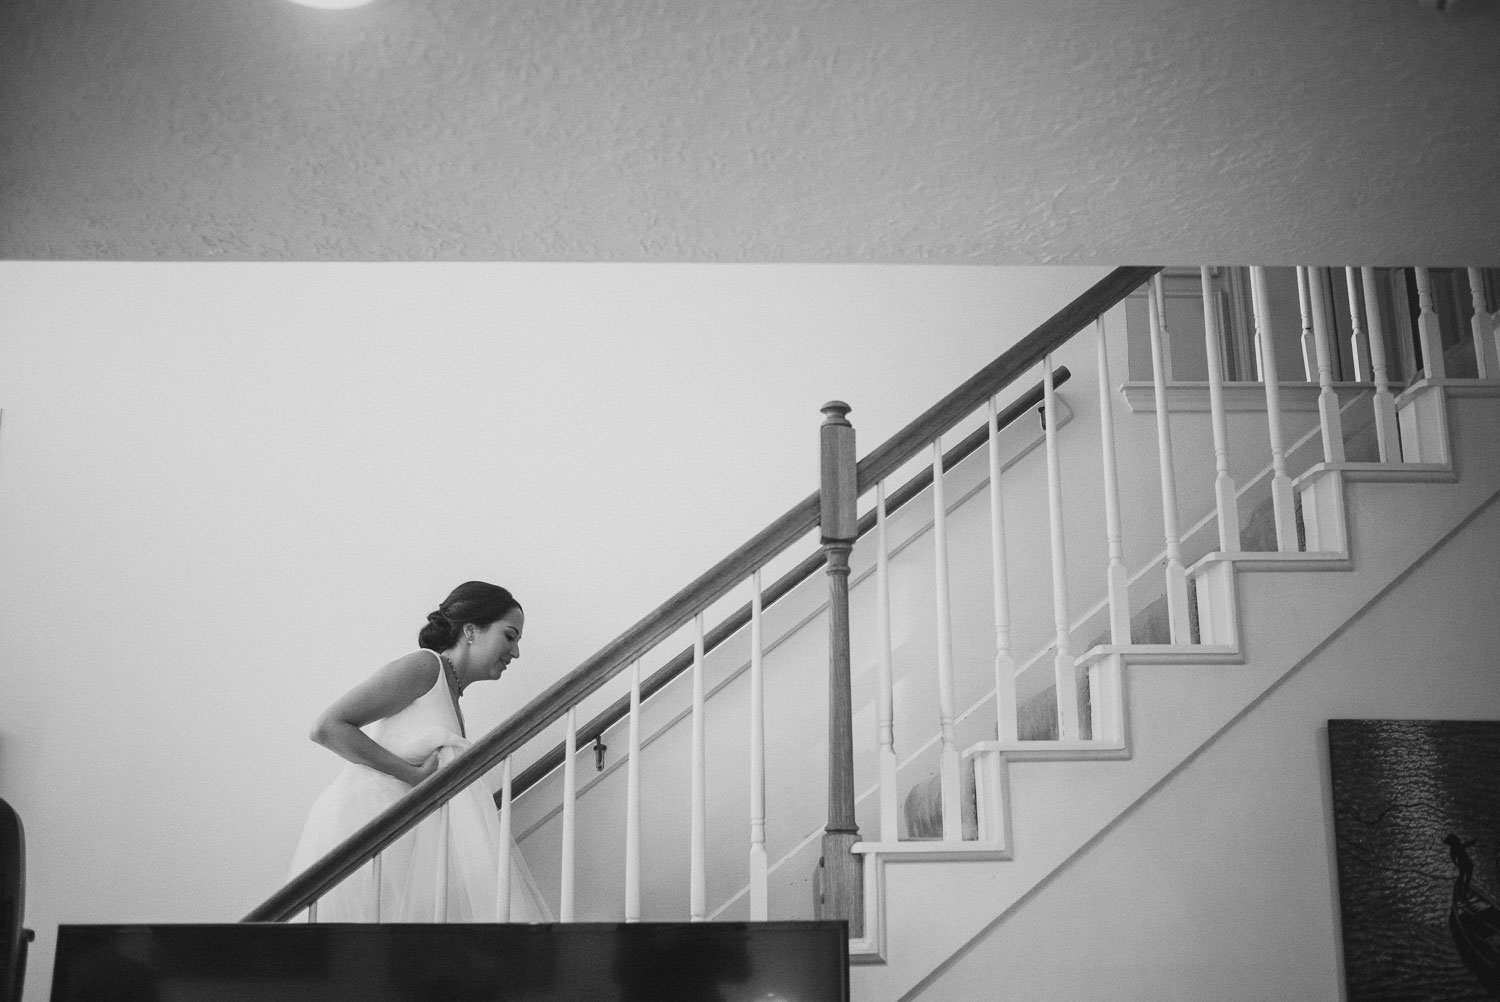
x: 740, y: 618
x: 489, y: 750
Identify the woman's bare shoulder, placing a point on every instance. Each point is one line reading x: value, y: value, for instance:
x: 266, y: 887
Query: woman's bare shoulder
x: 419, y: 667
x: 420, y: 658
x: 391, y: 688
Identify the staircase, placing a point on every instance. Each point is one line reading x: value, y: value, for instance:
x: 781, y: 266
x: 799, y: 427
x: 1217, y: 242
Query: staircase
x: 1180, y: 699
x: 697, y: 787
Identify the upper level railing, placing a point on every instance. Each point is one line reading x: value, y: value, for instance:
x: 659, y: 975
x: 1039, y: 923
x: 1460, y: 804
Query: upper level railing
x: 681, y: 609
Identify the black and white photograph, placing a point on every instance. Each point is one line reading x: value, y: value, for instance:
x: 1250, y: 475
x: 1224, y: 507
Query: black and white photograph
x: 745, y: 500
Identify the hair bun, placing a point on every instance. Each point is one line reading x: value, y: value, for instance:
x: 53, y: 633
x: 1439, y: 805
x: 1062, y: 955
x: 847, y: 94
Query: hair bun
x: 439, y: 634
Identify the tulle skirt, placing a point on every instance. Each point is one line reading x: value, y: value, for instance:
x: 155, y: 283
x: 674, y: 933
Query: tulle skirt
x: 407, y: 884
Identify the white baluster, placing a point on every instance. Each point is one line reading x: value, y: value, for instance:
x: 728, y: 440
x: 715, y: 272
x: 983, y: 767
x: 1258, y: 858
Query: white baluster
x: 759, y: 889
x: 1495, y: 325
x: 1330, y: 419
x: 375, y: 878
x: 949, y: 762
x: 1494, y: 320
x: 1063, y: 669
x: 1225, y: 493
x: 1304, y: 305
x: 1387, y: 435
x: 569, y: 816
x: 1434, y: 366
x: 312, y: 912
x: 1260, y: 368
x: 1159, y: 292
x: 1238, y: 337
x: 1005, y: 662
x: 698, y: 867
x: 1486, y: 347
x: 445, y: 834
x: 1359, y: 345
x: 1281, y: 484
x: 1117, y: 577
x: 885, y: 678
x: 502, y: 876
x: 1176, y: 574
x: 633, y: 801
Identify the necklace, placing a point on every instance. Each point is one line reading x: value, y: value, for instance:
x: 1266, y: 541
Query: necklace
x: 451, y: 673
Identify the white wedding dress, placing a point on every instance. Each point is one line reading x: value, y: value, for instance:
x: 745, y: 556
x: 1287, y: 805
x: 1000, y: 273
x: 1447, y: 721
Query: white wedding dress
x: 410, y: 868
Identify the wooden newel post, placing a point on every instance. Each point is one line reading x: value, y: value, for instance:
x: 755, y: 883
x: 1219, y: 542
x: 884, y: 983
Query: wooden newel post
x: 839, y: 883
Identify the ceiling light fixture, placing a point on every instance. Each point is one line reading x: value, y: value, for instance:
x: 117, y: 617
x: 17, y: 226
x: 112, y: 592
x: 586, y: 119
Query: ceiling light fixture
x: 331, y: 4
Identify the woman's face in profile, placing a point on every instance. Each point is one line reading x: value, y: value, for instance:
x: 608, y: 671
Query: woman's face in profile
x: 497, y: 645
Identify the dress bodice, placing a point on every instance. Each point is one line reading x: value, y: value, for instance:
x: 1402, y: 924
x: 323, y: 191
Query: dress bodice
x: 429, y: 721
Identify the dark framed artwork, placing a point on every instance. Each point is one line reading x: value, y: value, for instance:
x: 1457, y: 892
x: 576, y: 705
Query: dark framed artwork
x: 1416, y: 815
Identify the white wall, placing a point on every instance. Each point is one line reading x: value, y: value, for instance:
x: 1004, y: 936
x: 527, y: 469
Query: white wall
x: 1222, y: 884
x: 228, y: 492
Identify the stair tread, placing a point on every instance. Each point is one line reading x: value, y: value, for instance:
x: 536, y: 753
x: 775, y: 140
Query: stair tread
x: 935, y: 848
x: 1273, y: 560
x: 1052, y: 749
x: 1173, y: 653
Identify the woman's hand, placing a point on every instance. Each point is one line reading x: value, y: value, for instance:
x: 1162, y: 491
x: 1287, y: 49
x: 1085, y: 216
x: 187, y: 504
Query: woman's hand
x: 427, y: 768
x: 387, y: 692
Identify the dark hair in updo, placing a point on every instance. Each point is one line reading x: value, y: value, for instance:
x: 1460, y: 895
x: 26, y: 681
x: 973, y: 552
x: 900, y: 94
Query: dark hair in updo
x: 476, y: 602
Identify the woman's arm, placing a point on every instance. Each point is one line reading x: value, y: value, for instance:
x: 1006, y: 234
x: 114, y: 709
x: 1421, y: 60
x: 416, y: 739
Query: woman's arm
x: 388, y: 691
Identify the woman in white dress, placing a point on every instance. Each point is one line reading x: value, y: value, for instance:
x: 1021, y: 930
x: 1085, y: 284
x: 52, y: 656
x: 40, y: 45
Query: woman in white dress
x: 396, y: 728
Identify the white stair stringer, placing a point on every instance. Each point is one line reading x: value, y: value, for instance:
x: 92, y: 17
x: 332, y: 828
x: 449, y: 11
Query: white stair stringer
x: 1173, y: 703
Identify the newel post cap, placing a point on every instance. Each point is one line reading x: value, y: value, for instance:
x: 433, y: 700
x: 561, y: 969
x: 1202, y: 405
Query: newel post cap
x: 839, y: 492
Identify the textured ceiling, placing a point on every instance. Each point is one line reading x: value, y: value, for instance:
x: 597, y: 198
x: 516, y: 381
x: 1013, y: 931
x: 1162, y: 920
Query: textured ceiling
x: 953, y: 131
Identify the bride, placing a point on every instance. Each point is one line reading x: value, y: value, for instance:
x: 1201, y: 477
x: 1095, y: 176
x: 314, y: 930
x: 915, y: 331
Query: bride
x: 396, y: 728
